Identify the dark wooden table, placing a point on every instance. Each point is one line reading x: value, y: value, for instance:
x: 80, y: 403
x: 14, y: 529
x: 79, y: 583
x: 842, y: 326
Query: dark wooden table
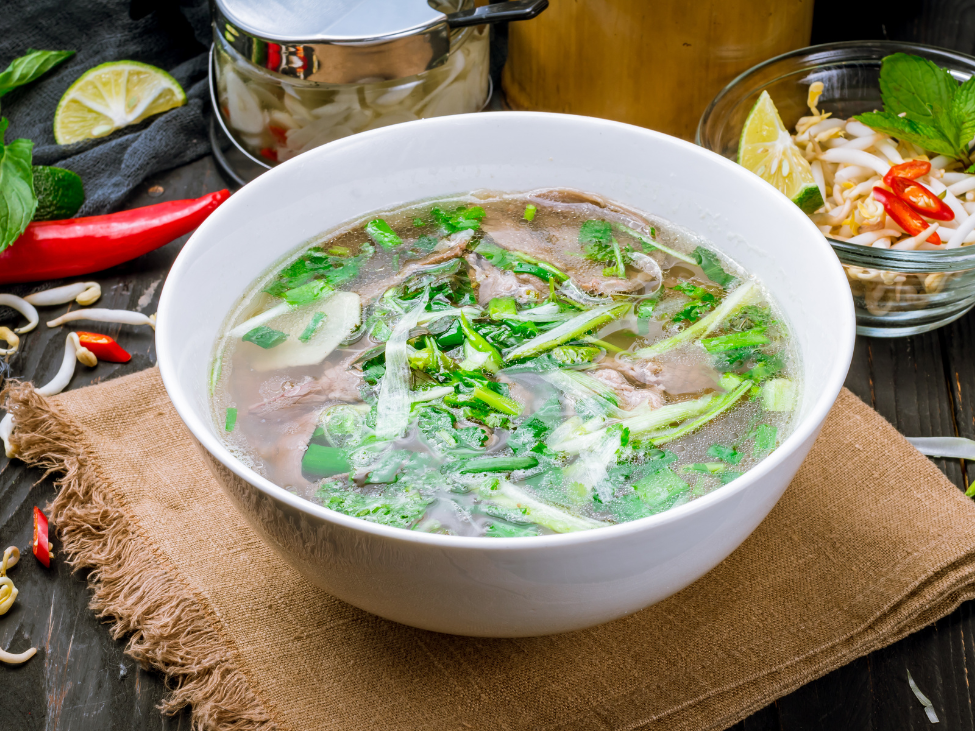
x: 924, y: 385
x: 81, y: 679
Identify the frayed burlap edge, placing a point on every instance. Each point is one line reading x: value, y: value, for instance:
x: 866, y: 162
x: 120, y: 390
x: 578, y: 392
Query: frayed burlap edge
x: 135, y: 589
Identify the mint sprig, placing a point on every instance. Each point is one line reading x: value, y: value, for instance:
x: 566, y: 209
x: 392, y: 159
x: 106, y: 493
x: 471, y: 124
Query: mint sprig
x: 923, y: 104
x: 29, y: 67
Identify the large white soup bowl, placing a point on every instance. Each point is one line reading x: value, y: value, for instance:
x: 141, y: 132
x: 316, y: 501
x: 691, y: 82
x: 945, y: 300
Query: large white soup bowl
x: 505, y: 587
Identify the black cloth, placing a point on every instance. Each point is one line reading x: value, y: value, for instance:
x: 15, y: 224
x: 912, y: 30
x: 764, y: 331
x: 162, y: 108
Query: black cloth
x: 173, y: 36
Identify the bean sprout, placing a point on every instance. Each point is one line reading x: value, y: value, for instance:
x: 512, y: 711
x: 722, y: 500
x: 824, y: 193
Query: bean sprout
x: 966, y: 227
x: 8, y: 595
x: 84, y: 293
x: 10, y: 338
x: 123, y: 317
x: 24, y: 307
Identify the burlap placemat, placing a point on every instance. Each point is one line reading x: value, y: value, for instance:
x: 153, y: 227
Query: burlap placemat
x: 869, y: 543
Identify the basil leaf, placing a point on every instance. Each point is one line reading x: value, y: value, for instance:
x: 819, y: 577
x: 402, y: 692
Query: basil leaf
x: 17, y: 199
x: 926, y: 136
x: 963, y: 109
x: 27, y: 68
x: 918, y: 87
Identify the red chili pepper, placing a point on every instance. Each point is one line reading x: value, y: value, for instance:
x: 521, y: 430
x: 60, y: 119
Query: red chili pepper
x: 42, y: 546
x: 912, y: 169
x: 906, y: 217
x: 75, y: 246
x: 279, y: 133
x: 921, y: 199
x: 104, y: 347
x: 270, y: 153
x: 274, y: 56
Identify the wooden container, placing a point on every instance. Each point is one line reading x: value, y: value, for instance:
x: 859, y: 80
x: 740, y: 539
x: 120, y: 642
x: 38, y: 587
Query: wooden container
x: 654, y: 63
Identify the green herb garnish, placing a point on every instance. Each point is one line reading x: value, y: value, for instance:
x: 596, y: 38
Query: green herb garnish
x: 265, y: 337
x: 380, y: 232
x: 530, y: 211
x: 231, y: 419
x: 17, y: 198
x: 924, y: 104
x: 461, y: 219
x: 712, y: 267
x: 725, y: 454
x: 312, y: 327
x: 29, y: 67
x: 764, y: 439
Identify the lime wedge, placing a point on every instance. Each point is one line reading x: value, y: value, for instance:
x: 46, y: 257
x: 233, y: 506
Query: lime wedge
x: 111, y: 96
x: 767, y: 149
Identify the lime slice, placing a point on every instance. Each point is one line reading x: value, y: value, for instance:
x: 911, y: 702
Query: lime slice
x: 111, y: 96
x: 60, y: 193
x: 767, y: 149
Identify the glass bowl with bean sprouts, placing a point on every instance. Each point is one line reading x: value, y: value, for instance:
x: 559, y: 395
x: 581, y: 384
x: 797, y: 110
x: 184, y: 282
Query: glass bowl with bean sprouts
x: 906, y: 248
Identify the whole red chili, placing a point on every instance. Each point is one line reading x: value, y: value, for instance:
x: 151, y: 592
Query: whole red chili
x: 104, y: 347
x: 41, y: 545
x: 912, y: 169
x: 905, y: 216
x: 921, y: 199
x: 75, y: 246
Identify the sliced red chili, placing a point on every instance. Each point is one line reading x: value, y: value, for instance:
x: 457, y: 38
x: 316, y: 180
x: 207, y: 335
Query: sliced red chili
x: 270, y: 153
x: 911, y: 169
x: 104, y: 347
x: 42, y: 546
x: 921, y: 199
x: 279, y: 133
x: 905, y: 216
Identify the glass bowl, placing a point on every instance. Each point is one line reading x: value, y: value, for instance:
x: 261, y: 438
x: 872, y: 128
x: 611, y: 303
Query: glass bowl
x: 895, y: 292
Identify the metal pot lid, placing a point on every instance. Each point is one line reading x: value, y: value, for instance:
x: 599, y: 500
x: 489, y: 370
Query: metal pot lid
x: 350, y: 41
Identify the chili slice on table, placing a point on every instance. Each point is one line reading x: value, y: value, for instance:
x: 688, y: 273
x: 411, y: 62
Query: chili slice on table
x: 104, y: 347
x: 911, y: 169
x: 905, y: 216
x: 921, y: 199
x: 42, y: 546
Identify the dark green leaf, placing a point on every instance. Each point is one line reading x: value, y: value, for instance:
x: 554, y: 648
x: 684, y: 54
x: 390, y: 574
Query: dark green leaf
x: 712, y: 267
x: 29, y: 67
x: 380, y: 232
x: 923, y: 135
x: 917, y: 86
x: 963, y: 109
x: 17, y: 199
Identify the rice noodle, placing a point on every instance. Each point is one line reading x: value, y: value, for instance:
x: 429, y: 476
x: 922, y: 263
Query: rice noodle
x: 857, y: 157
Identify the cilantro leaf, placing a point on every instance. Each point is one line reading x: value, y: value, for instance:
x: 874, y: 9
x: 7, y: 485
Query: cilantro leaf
x: 712, y: 267
x: 461, y: 219
x: 18, y: 202
x: 923, y: 135
x: 595, y: 232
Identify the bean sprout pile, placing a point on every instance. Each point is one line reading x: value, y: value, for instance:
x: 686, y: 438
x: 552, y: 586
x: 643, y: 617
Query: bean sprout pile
x: 849, y: 160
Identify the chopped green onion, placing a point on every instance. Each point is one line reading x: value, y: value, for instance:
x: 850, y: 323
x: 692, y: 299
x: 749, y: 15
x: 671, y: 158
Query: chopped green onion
x: 216, y: 370
x: 321, y: 461
x: 509, y: 495
x: 231, y: 419
x: 499, y: 307
x: 340, y: 251
x: 654, y: 245
x: 265, y: 337
x: 745, y: 339
x: 530, y: 211
x: 725, y: 454
x: 497, y: 402
x: 418, y: 222
x: 720, y: 405
x: 312, y: 327
x: 380, y: 232
x: 739, y: 298
x: 764, y: 439
x: 572, y: 329
x: 498, y: 464
x: 307, y: 293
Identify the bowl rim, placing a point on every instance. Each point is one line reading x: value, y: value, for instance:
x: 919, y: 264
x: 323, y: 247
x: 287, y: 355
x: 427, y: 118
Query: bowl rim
x: 167, y: 346
x: 945, y: 260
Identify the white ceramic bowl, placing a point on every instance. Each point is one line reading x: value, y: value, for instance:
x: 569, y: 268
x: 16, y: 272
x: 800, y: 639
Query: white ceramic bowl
x: 506, y: 587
